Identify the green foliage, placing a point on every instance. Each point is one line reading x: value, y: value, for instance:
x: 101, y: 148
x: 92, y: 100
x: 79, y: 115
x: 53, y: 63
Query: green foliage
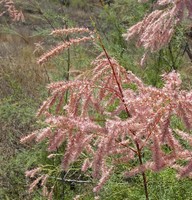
x: 162, y: 186
x: 114, y: 21
x: 79, y: 3
x: 17, y: 118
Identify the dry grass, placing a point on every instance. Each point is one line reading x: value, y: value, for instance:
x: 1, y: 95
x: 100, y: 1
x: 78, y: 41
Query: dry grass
x: 18, y: 67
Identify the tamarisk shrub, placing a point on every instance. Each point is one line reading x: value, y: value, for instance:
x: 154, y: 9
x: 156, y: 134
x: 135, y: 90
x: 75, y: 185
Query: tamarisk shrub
x: 112, y: 117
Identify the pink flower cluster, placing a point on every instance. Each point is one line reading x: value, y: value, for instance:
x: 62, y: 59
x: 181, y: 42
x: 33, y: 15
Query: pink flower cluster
x: 9, y: 7
x: 70, y: 31
x: 157, y: 28
x: 67, y: 43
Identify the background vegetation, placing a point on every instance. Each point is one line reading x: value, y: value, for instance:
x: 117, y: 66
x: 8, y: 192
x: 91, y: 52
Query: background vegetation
x: 23, y: 82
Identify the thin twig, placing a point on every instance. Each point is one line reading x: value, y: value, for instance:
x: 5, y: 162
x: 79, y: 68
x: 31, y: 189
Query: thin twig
x: 71, y: 180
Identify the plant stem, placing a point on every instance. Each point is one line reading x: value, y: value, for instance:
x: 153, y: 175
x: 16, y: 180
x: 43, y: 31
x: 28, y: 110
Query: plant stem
x: 68, y: 64
x: 143, y: 173
x: 129, y: 115
x: 173, y: 67
x: 114, y: 74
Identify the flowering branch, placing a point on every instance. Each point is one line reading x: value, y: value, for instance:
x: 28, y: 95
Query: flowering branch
x: 157, y: 28
x: 107, y: 94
